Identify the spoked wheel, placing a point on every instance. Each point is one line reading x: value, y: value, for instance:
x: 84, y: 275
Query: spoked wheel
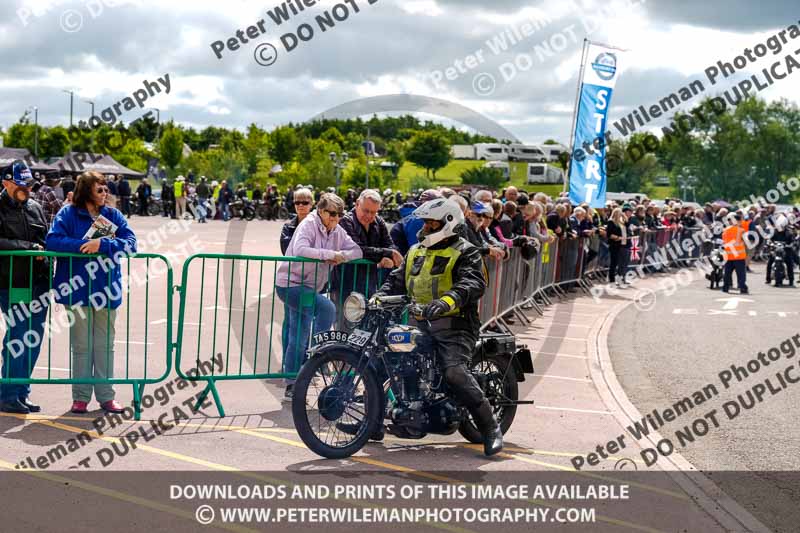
x: 336, y: 405
x: 501, y: 388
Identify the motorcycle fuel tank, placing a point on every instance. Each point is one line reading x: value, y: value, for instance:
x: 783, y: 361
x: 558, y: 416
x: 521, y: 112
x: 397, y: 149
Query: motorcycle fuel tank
x: 402, y: 338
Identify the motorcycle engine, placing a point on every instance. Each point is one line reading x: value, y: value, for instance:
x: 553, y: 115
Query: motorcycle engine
x: 420, y: 411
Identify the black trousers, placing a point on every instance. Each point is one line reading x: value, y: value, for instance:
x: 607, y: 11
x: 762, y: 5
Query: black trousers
x: 454, y: 349
x: 618, y: 256
x: 788, y: 256
x: 741, y: 274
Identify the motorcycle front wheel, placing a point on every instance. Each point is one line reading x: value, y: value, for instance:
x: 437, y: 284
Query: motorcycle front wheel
x: 283, y: 213
x: 249, y: 213
x: 336, y: 406
x: 501, y: 388
x: 263, y: 212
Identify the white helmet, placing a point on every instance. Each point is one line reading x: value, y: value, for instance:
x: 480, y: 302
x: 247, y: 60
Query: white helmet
x: 447, y: 212
x: 781, y: 222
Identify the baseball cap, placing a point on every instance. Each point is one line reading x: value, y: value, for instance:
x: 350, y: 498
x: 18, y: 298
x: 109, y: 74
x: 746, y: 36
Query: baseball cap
x: 627, y: 207
x: 480, y: 208
x: 21, y: 174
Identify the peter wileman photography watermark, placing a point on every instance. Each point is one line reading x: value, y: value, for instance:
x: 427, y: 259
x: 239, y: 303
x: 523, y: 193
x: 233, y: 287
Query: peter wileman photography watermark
x: 98, y: 271
x: 266, y: 54
x: 679, y: 249
x: 484, y: 82
x: 752, y: 370
x: 124, y: 444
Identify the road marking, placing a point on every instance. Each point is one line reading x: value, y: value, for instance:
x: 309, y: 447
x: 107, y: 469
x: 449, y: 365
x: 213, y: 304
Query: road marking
x: 583, y: 380
x: 533, y: 337
x: 677, y: 311
x: 373, y: 462
x: 568, y: 325
x: 574, y: 410
x: 713, y: 312
x: 55, y: 368
x: 144, y: 502
x: 454, y: 481
x: 215, y: 466
x: 733, y: 302
x: 551, y: 354
x: 585, y: 473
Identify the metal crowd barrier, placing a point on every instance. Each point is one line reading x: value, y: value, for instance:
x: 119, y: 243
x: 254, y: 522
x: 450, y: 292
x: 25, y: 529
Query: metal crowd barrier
x: 241, y: 320
x: 146, y: 343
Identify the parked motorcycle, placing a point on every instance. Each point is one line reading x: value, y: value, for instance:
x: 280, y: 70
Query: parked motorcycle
x: 243, y: 209
x: 383, y: 369
x: 266, y: 210
x: 717, y: 259
x: 777, y: 257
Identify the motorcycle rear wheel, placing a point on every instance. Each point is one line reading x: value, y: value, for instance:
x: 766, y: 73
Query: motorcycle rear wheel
x: 497, y: 390
x: 329, y: 391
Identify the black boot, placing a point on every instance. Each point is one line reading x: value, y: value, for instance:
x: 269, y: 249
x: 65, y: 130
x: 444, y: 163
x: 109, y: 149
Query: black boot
x: 489, y: 428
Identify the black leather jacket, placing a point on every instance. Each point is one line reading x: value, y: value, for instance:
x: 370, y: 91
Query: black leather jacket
x: 469, y: 284
x: 22, y: 225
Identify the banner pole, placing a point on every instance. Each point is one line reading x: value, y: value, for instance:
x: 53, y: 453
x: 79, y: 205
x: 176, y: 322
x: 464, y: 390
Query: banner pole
x: 575, y: 114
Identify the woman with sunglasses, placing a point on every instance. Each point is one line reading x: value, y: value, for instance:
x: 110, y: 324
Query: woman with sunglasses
x: 302, y: 202
x: 89, y: 226
x: 319, y: 236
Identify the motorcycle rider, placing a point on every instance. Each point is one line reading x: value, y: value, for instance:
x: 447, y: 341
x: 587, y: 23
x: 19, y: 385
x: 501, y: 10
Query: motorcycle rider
x: 445, y: 273
x: 783, y: 233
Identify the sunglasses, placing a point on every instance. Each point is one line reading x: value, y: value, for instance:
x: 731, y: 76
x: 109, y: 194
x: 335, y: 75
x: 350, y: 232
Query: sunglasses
x: 335, y: 213
x: 101, y: 190
x: 485, y: 216
x: 302, y: 203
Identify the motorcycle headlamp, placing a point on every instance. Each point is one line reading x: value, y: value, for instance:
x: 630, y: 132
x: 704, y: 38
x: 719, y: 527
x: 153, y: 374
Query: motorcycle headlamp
x: 355, y: 306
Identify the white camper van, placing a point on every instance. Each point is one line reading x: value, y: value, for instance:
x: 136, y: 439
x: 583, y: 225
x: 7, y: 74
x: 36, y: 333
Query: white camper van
x: 462, y: 151
x: 544, y: 173
x: 553, y: 151
x: 525, y: 152
x: 491, y: 152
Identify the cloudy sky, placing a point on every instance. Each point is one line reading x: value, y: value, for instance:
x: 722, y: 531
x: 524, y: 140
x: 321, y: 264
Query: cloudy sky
x: 104, y: 49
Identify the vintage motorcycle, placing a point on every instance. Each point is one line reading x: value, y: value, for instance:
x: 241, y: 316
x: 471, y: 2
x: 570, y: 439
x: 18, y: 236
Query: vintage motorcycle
x: 385, y: 370
x: 777, y: 259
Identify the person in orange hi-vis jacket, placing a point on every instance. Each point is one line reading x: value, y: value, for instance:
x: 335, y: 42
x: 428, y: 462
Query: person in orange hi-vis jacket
x: 735, y: 255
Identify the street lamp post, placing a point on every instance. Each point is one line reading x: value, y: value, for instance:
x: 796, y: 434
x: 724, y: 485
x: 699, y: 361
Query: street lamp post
x: 158, y: 121
x: 91, y: 134
x: 339, y: 162
x: 71, y: 102
x: 71, y: 99
x: 35, y: 132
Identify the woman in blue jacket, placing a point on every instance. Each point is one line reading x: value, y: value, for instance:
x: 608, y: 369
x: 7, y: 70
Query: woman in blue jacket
x: 96, y: 284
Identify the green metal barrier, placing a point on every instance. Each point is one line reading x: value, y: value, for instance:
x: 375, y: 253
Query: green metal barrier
x: 226, y: 301
x: 27, y: 301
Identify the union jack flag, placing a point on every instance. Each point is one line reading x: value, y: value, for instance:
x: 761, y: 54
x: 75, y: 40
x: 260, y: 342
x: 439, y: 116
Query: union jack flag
x: 635, y: 249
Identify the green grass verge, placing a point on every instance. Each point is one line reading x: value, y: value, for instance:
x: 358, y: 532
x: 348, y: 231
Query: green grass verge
x: 451, y: 176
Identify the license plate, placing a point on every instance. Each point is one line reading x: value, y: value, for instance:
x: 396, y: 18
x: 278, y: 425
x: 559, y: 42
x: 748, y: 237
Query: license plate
x: 329, y: 336
x: 359, y: 337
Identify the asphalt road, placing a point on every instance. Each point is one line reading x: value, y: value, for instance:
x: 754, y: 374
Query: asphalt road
x: 683, y: 344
